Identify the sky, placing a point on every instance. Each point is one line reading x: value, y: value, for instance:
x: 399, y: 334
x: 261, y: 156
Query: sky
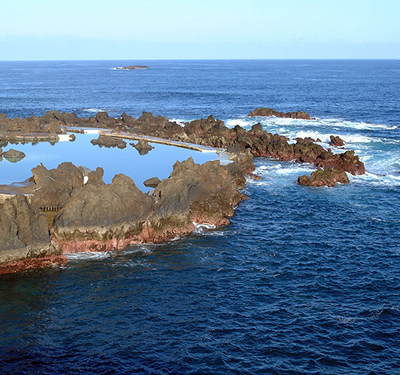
x: 194, y: 29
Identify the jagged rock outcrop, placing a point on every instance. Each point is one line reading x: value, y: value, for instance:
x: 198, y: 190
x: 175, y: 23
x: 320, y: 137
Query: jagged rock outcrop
x: 103, y: 217
x: 152, y: 182
x: 336, y: 141
x: 108, y: 141
x: 213, y: 132
x: 24, y: 238
x: 271, y: 112
x: 54, y: 187
x: 197, y: 193
x: 327, y: 177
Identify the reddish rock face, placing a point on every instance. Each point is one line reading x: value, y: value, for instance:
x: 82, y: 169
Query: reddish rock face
x: 328, y: 177
x: 336, y: 141
x: 100, y: 217
x: 33, y: 263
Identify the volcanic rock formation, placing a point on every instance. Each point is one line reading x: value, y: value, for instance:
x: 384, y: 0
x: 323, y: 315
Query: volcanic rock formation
x: 24, y: 237
x: 267, y: 112
x: 327, y: 177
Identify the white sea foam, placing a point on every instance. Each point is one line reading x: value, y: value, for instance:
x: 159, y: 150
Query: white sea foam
x: 142, y: 249
x: 312, y: 134
x: 376, y: 179
x: 244, y: 123
x: 356, y: 138
x: 201, y: 228
x: 93, y: 110
x: 88, y: 255
x: 179, y: 121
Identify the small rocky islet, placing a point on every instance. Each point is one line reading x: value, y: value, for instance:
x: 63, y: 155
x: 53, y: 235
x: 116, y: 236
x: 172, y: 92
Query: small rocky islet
x: 132, y: 67
x: 71, y: 209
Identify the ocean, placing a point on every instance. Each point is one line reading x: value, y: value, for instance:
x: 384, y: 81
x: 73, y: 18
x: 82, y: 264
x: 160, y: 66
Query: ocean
x: 303, y: 281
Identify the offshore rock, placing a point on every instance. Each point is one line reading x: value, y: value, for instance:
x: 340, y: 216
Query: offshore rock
x: 132, y: 67
x: 336, y: 141
x: 271, y: 112
x: 327, y: 177
x: 345, y: 162
x: 24, y: 238
x: 108, y: 141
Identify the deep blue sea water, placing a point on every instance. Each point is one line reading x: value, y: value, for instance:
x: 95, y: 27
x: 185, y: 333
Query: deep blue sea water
x: 303, y: 281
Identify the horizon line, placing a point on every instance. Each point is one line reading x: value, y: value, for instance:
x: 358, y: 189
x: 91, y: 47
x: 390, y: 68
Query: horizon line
x: 208, y: 59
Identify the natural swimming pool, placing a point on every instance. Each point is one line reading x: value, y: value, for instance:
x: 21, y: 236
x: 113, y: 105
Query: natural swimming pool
x: 156, y: 163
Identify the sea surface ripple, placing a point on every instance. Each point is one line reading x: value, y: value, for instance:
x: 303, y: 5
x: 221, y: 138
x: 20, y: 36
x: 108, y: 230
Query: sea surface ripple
x: 303, y: 280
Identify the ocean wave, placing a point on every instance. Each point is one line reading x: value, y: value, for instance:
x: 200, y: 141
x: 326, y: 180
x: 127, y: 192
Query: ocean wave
x: 89, y: 255
x: 179, y: 121
x: 374, y: 179
x: 203, y: 227
x: 331, y: 123
x: 93, y: 110
x: 244, y: 123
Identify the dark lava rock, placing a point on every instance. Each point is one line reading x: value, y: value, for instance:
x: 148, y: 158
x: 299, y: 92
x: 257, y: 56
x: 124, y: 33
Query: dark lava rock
x: 346, y: 162
x: 54, y: 187
x: 109, y: 141
x: 103, y: 216
x: 271, y: 112
x: 13, y: 155
x: 152, y: 182
x: 328, y: 177
x: 336, y: 141
x: 197, y: 193
x: 24, y: 237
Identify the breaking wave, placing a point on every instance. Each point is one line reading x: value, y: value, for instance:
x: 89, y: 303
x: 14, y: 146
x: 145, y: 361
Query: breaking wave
x: 88, y: 255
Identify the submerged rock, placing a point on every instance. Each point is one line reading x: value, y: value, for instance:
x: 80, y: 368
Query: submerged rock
x: 13, y: 156
x: 143, y: 147
x: 108, y: 141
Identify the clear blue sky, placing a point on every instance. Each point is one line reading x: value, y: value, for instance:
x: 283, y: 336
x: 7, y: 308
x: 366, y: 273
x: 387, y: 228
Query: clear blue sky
x: 194, y: 29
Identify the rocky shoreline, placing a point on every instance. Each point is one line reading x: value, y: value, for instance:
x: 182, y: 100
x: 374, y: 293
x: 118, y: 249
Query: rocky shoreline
x: 72, y: 210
